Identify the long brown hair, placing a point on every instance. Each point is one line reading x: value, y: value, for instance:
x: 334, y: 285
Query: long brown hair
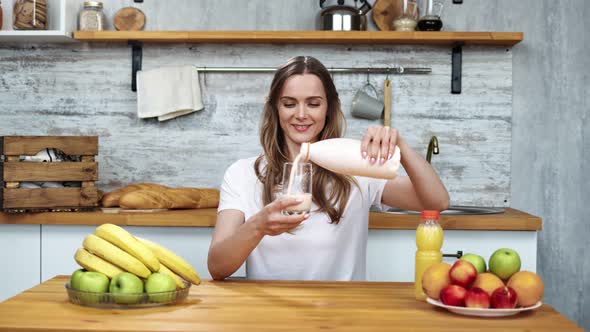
x: 331, y: 190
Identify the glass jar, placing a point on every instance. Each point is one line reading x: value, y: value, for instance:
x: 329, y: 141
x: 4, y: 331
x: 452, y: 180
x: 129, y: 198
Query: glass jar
x: 91, y: 18
x: 408, y: 17
x: 29, y: 15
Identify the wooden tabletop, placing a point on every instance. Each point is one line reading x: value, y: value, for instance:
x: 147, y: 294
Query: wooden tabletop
x: 248, y: 305
x: 510, y: 220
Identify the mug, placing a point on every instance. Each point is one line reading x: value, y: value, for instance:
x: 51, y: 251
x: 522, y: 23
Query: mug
x: 365, y: 106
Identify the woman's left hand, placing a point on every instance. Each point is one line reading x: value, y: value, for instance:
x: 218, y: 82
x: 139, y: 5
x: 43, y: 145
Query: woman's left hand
x: 378, y: 144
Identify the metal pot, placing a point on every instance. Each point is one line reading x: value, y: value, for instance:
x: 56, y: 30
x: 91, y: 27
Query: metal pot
x: 343, y: 17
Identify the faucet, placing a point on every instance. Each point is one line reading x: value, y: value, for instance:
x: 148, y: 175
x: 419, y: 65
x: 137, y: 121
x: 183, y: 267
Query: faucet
x: 432, y: 148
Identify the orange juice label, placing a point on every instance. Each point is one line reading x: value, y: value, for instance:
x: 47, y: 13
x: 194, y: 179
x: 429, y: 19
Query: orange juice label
x: 429, y: 236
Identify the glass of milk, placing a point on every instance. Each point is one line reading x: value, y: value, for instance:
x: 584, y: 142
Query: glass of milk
x: 296, y: 183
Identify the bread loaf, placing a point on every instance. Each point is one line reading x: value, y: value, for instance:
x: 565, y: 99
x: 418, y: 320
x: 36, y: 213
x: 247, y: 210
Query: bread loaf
x: 111, y: 199
x: 170, y: 198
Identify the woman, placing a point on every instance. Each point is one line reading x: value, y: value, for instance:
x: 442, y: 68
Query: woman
x: 303, y: 106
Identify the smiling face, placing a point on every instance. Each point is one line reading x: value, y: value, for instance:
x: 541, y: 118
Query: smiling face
x: 302, y: 107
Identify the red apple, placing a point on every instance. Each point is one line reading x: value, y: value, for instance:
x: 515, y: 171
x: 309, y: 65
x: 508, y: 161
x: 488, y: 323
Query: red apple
x: 463, y: 273
x: 453, y: 295
x: 504, y: 298
x: 477, y: 298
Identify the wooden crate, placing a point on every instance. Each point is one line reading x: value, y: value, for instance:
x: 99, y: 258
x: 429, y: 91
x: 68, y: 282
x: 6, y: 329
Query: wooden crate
x: 13, y: 171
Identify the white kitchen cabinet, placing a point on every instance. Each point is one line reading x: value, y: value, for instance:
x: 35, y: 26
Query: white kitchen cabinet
x: 59, y: 243
x: 390, y: 253
x: 58, y: 246
x: 35, y: 253
x: 21, y: 259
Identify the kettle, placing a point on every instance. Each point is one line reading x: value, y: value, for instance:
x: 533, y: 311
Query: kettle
x: 343, y: 17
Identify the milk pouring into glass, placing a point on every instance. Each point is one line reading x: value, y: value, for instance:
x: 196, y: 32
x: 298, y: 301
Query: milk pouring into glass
x: 339, y: 155
x: 297, y: 180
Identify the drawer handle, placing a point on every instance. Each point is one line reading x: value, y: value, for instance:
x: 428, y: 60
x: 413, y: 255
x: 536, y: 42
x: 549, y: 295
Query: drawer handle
x: 457, y: 255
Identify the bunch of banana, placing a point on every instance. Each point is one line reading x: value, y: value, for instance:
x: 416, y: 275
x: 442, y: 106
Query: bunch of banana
x: 115, y: 255
x: 112, y: 250
x: 94, y: 263
x: 122, y: 239
x: 173, y: 261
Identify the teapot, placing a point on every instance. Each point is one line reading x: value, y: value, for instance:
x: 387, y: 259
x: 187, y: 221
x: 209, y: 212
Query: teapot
x: 343, y: 17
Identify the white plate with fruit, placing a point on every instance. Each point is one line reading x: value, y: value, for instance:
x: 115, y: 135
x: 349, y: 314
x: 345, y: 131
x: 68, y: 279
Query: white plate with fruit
x: 480, y: 311
x: 469, y: 288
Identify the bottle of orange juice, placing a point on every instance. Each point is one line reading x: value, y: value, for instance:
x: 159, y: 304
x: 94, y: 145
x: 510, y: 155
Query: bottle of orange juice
x: 429, y: 239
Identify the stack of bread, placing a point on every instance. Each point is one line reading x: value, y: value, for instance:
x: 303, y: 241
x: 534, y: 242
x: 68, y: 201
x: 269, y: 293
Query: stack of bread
x: 156, y: 196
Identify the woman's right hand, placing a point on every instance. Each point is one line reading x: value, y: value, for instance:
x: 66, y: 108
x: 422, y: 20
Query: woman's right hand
x: 271, y: 221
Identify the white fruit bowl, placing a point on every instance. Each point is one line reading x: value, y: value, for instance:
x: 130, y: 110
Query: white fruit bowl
x: 482, y: 312
x: 122, y: 301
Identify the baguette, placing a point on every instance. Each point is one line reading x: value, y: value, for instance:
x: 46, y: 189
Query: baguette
x: 170, y: 198
x: 111, y: 199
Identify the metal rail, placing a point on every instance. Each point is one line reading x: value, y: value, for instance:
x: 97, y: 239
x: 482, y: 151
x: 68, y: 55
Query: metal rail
x: 366, y: 70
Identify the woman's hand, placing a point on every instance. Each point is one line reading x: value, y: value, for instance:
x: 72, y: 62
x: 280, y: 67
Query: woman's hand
x: 378, y: 144
x: 271, y: 221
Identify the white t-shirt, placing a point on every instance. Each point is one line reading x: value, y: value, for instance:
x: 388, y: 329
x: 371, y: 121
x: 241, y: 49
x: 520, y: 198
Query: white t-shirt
x: 317, y: 250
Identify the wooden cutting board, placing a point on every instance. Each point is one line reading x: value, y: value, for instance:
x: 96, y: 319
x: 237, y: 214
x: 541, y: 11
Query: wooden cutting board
x: 129, y: 19
x: 385, y: 11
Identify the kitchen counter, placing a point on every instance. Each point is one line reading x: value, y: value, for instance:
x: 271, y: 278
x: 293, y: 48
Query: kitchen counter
x: 249, y: 305
x: 511, y: 220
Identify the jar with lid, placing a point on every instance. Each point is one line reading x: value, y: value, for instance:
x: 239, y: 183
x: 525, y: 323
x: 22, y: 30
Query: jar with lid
x: 408, y: 17
x: 29, y: 15
x: 92, y: 17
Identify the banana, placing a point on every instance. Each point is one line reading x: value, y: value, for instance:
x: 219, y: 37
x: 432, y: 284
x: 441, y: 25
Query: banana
x: 114, y: 255
x: 94, y: 263
x: 179, y: 283
x: 173, y: 261
x: 124, y: 240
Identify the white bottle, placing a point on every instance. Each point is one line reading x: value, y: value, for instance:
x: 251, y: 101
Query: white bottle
x: 343, y: 155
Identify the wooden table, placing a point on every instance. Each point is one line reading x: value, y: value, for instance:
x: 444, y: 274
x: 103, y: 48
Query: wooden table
x: 247, y: 305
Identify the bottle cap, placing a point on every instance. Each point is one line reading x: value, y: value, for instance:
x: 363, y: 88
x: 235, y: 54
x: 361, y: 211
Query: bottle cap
x: 430, y: 215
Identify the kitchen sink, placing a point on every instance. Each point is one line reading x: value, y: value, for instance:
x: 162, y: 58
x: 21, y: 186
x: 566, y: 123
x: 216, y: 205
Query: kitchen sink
x: 453, y: 210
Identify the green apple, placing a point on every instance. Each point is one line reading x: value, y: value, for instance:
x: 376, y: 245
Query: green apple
x: 504, y: 263
x: 95, y: 283
x: 477, y: 261
x: 75, y: 278
x: 127, y: 288
x: 160, y: 287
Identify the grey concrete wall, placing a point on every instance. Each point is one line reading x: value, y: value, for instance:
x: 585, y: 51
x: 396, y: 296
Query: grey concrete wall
x: 83, y: 89
x: 550, y: 143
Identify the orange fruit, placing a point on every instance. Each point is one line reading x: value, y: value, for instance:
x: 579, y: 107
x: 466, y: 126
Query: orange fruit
x: 529, y: 287
x: 435, y: 278
x: 489, y: 282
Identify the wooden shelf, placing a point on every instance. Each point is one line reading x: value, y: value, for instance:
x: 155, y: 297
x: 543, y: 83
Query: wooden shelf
x: 306, y: 37
x: 511, y: 220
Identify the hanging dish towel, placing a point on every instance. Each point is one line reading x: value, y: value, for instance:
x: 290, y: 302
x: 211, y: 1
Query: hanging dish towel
x: 168, y: 92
